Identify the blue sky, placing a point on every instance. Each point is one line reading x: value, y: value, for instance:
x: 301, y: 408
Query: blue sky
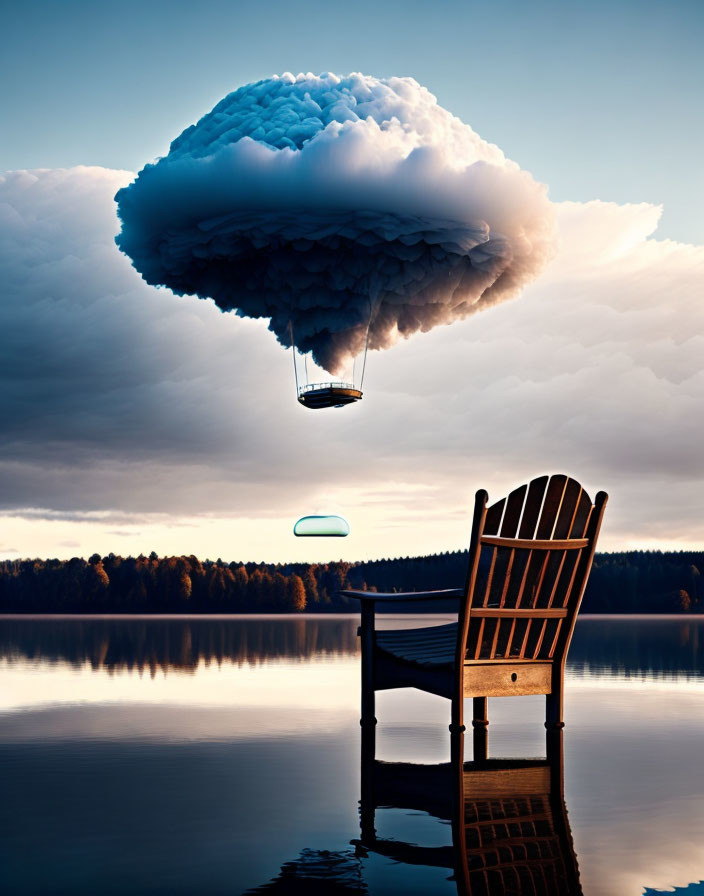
x: 136, y: 421
x: 599, y: 100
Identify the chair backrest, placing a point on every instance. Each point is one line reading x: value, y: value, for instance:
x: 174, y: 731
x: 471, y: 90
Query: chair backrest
x: 529, y: 560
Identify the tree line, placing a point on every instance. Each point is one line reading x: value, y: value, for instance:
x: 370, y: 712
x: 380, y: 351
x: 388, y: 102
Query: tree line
x: 627, y: 582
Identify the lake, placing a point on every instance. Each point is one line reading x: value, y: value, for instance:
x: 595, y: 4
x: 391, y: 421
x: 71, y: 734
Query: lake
x: 222, y: 755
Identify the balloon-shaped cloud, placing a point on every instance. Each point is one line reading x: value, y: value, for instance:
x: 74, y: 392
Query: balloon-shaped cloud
x: 326, y: 203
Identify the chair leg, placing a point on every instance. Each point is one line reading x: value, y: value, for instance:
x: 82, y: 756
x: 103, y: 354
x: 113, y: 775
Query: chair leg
x: 554, y: 751
x: 480, y: 717
x: 368, y: 705
x: 366, y: 632
x: 554, y: 709
x: 366, y: 804
x: 457, y: 751
x: 457, y: 715
x: 480, y: 743
x: 480, y: 723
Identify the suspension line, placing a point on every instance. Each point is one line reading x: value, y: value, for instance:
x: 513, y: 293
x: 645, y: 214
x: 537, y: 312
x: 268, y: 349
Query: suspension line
x: 293, y: 350
x: 372, y: 311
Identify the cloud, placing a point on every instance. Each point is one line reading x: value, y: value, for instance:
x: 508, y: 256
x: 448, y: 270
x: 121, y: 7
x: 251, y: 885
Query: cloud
x: 330, y: 205
x: 106, y: 381
x: 122, y: 400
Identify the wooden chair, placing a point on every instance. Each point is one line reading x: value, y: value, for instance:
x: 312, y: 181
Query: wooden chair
x: 530, y: 555
x: 510, y: 831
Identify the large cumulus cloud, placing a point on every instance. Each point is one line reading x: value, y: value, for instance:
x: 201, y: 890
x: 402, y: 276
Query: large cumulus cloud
x: 127, y: 407
x: 328, y: 205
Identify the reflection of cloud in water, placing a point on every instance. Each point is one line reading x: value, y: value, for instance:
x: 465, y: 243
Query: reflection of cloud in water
x: 128, y: 722
x: 638, y: 752
x: 87, y: 818
x: 634, y: 789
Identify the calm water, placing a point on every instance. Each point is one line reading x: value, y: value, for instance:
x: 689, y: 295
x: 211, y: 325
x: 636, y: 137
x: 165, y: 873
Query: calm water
x: 223, y: 756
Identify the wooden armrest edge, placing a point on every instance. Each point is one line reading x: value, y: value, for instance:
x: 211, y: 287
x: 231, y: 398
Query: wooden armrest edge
x: 400, y: 596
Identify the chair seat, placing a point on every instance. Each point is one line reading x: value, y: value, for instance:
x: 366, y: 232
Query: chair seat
x: 431, y: 646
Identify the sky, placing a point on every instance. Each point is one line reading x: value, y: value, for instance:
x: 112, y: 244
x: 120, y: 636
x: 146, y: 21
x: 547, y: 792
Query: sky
x: 133, y: 420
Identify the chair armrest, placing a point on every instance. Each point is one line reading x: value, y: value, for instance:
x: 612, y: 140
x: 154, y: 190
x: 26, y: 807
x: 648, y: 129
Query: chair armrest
x: 401, y: 596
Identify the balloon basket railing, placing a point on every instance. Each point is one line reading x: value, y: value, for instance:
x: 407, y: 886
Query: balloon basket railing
x: 334, y: 394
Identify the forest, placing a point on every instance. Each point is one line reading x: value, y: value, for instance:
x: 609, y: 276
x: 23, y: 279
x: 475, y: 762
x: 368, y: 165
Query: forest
x: 627, y: 582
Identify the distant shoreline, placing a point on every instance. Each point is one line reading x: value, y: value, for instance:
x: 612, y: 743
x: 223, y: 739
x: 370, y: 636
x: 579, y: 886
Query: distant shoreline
x: 631, y: 583
x: 229, y: 617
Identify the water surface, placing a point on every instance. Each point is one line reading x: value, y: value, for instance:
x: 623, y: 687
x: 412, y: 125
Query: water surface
x: 218, y: 755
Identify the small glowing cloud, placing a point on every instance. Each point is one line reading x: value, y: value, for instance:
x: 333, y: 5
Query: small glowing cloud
x: 327, y: 526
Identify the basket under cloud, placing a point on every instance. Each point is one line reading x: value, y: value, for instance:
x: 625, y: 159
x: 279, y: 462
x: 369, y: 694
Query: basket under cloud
x: 322, y: 203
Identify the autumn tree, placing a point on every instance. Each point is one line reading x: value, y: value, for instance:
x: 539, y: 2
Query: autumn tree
x: 310, y: 585
x: 296, y: 593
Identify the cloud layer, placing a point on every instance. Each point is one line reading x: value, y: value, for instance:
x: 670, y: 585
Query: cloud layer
x: 328, y: 205
x: 123, y: 404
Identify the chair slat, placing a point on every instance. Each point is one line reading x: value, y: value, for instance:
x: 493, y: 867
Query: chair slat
x: 555, y: 591
x: 553, y: 645
x: 509, y: 641
x: 517, y: 588
x: 478, y: 648
x: 490, y: 578
x: 492, y: 651
x: 512, y: 514
x: 581, y: 517
x: 507, y: 577
x: 499, y: 576
x: 533, y: 504
x: 536, y: 649
x: 537, y: 584
x: 568, y: 509
x: 569, y: 573
x: 524, y: 643
x: 551, y: 506
x: 493, y: 517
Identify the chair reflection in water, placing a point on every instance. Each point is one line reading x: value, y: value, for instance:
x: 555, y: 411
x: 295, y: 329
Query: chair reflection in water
x: 510, y: 833
x: 530, y: 555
